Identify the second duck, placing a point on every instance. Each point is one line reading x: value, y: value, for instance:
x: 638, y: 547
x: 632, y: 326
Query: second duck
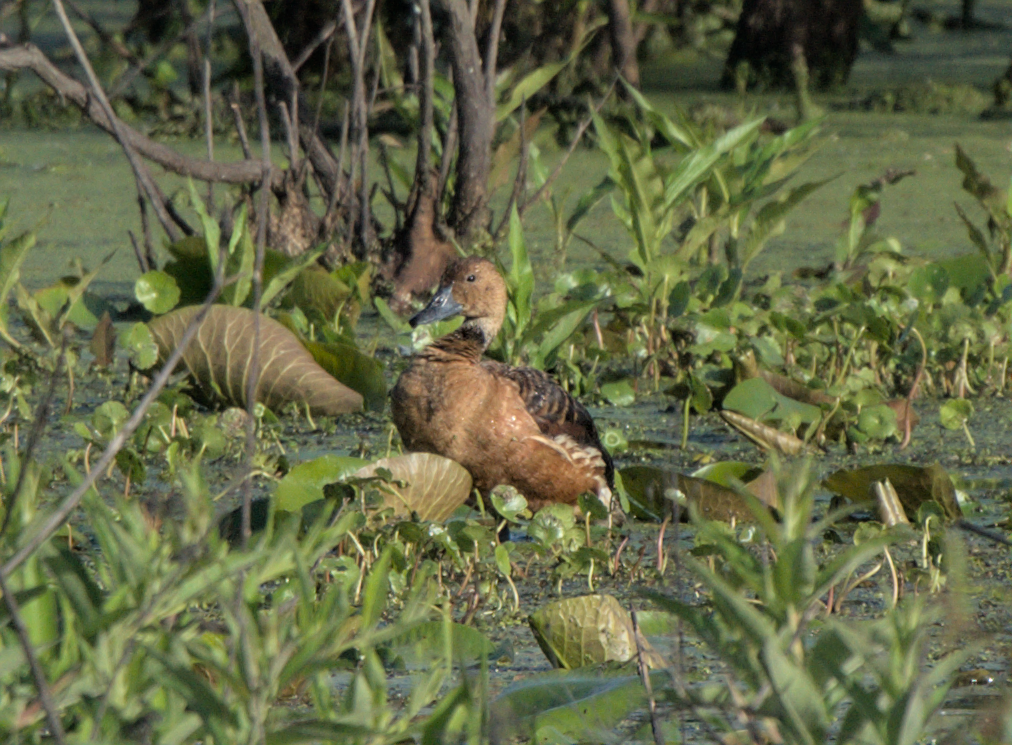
x: 505, y: 425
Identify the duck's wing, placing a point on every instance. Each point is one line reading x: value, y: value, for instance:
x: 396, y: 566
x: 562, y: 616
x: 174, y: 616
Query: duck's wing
x: 553, y: 408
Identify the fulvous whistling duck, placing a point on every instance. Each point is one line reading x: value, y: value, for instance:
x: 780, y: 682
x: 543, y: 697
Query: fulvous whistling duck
x: 506, y: 425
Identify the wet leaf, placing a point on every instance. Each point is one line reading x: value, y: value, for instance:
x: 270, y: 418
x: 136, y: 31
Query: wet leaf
x: 757, y: 399
x: 878, y: 422
x: 588, y: 630
x: 566, y: 706
x: 955, y: 412
x: 141, y: 347
x: 914, y: 486
x: 358, y: 371
x: 651, y: 491
x: 318, y: 294
x: 434, y: 486
x: 157, y: 292
x: 509, y: 503
x: 219, y: 358
x: 304, y: 483
x: 619, y: 392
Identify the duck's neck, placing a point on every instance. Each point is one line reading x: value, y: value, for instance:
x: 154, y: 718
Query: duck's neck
x: 470, y: 340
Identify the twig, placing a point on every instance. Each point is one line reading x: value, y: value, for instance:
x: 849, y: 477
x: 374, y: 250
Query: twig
x: 55, y: 726
x: 141, y: 261
x: 140, y: 172
x: 56, y: 519
x: 130, y: 75
x: 324, y: 35
x: 240, y: 125
x: 492, y: 50
x: 206, y: 85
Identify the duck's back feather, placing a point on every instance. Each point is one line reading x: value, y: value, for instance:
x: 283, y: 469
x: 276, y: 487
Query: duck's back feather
x: 553, y: 408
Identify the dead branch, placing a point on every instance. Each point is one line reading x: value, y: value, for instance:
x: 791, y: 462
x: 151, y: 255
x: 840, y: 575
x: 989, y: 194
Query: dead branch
x: 30, y: 57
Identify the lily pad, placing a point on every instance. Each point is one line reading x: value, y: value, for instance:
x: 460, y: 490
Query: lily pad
x: 757, y: 399
x: 914, y: 486
x: 220, y: 355
x: 588, y: 630
x: 434, y: 486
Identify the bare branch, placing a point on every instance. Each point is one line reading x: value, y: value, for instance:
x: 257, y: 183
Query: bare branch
x: 28, y: 56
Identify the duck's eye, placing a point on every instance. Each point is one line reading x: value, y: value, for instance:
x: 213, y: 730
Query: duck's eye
x: 470, y: 278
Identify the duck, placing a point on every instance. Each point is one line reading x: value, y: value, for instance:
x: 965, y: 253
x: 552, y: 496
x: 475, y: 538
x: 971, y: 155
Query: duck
x: 506, y: 425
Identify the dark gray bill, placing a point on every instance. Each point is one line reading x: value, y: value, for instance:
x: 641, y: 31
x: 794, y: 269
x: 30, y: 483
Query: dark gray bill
x: 441, y: 306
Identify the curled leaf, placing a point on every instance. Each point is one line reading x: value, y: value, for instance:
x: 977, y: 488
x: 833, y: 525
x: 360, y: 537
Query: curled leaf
x: 589, y: 630
x: 220, y: 355
x: 433, y: 486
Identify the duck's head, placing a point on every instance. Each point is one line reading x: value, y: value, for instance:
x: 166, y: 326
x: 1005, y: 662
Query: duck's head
x: 472, y: 288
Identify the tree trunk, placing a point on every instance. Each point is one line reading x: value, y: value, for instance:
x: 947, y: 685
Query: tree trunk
x: 623, y: 41
x: 469, y: 214
x: 773, y: 35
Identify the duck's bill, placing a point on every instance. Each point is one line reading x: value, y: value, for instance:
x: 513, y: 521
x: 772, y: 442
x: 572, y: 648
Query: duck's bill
x: 441, y: 307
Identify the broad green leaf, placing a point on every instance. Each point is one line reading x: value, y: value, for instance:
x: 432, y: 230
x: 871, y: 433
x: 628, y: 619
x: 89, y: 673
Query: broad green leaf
x: 212, y: 233
x: 619, y: 392
x: 140, y: 346
x: 356, y: 370
x: 157, y: 291
x: 574, y: 706
x: 304, y: 483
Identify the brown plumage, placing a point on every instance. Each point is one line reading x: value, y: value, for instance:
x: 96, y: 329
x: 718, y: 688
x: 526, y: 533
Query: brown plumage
x: 506, y: 425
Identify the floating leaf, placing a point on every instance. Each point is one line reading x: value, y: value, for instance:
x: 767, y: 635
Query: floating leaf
x: 588, y: 630
x: 914, y: 486
x: 157, y: 291
x: 304, y: 483
x: 220, y: 355
x: 619, y: 392
x: 955, y: 412
x: 878, y: 422
x: 566, y: 707
x: 141, y: 346
x: 757, y: 399
x: 651, y: 491
x: 433, y: 488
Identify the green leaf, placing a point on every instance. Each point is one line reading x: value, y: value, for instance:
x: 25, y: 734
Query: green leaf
x: 955, y: 413
x: 695, y: 167
x: 283, y: 276
x: 521, y: 274
x: 304, y: 483
x: 358, y: 371
x: 619, y: 392
x: 157, y: 292
x: 12, y: 256
x: 241, y: 261
x: 577, y: 706
x: 527, y: 87
x: 212, y: 233
x: 140, y: 346
x: 755, y: 398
